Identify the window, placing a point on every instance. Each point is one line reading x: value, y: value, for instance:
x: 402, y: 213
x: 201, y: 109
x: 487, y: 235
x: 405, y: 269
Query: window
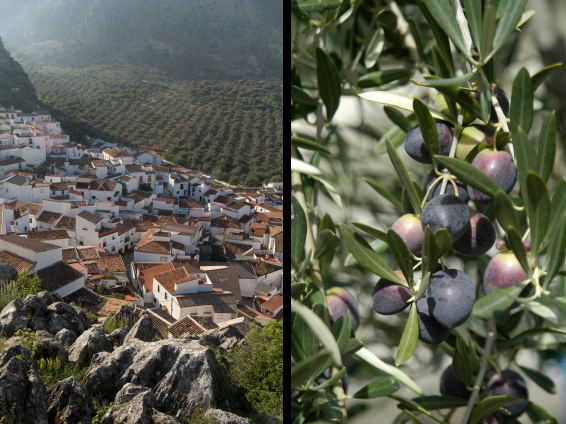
x: 163, y: 259
x: 108, y: 198
x: 41, y: 190
x: 93, y: 197
x: 158, y: 288
x: 141, y: 179
x: 30, y: 221
x: 165, y: 295
x: 154, y: 300
x: 149, y: 178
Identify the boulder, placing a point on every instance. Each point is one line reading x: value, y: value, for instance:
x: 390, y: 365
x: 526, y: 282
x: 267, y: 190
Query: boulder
x: 49, y: 347
x: 138, y: 410
x: 66, y: 337
x: 20, y: 387
x: 7, y: 272
x: 128, y: 392
x: 68, y: 402
x: 179, y: 373
x: 61, y: 315
x: 46, y: 296
x: 224, y: 338
x: 88, y: 344
x: 35, y: 305
x: 142, y: 330
x: 117, y: 336
x: 161, y: 418
x: 223, y: 417
x: 126, y: 313
x: 13, y: 318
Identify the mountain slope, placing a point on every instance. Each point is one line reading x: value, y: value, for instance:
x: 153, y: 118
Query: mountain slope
x: 228, y: 39
x: 15, y: 87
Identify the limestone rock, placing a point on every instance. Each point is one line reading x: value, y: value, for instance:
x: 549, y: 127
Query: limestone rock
x: 61, y: 315
x: 68, y: 402
x: 117, y: 336
x: 128, y: 392
x: 88, y: 344
x: 66, y: 337
x: 21, y: 388
x: 179, y: 373
x: 49, y: 347
x: 13, y: 318
x: 224, y: 417
x: 224, y: 338
x: 7, y: 272
x: 142, y: 330
x: 139, y: 410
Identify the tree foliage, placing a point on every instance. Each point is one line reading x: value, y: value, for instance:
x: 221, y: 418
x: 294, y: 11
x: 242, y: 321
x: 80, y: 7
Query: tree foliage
x: 343, y: 49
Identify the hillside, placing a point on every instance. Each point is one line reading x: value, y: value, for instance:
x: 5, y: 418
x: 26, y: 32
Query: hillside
x: 216, y: 39
x: 15, y: 87
x: 229, y: 129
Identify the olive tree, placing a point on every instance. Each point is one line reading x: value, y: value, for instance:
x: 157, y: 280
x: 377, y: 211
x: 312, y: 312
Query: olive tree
x: 471, y: 267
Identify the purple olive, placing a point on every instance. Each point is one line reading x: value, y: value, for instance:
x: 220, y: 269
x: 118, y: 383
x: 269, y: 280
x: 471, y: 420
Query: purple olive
x: 451, y: 386
x: 479, y: 236
x: 410, y: 229
x: 502, y: 271
x: 446, y: 211
x: 430, y: 330
x: 499, y: 166
x: 341, y: 301
x: 390, y: 298
x: 416, y: 148
x: 509, y: 383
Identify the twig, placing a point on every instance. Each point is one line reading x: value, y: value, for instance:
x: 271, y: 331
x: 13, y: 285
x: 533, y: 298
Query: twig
x: 454, y: 144
x: 403, y: 28
x: 489, y: 342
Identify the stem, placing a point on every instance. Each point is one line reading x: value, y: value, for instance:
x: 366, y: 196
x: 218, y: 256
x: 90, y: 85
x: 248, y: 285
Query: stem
x: 430, y: 189
x: 454, y: 144
x: 403, y: 28
x: 489, y: 342
x: 526, y: 234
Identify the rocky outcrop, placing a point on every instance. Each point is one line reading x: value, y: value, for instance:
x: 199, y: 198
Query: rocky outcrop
x: 224, y: 338
x: 66, y: 337
x: 125, y: 313
x: 68, y: 402
x: 136, y: 405
x: 117, y: 336
x: 178, y: 372
x: 49, y: 347
x: 89, y: 344
x: 142, y: 330
x: 62, y: 315
x: 21, y: 389
x: 223, y: 417
x: 7, y: 272
x: 13, y: 318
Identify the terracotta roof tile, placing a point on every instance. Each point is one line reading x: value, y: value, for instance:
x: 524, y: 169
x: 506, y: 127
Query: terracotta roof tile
x: 90, y: 217
x: 67, y: 223
x: 146, y: 276
x: 158, y: 247
x: 16, y: 261
x: 170, y: 278
x: 47, y: 235
x: 112, y: 262
x: 84, y: 298
x: 70, y: 254
x: 49, y: 217
x: 33, y: 245
x: 34, y: 208
x: 274, y: 302
x: 187, y: 324
x: 57, y: 275
x: 88, y: 252
x: 225, y: 279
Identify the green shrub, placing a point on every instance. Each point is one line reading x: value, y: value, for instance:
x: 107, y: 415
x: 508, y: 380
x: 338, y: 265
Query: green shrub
x: 119, y: 296
x: 100, y: 412
x: 52, y: 370
x: 9, y: 291
x: 253, y: 383
x: 113, y: 323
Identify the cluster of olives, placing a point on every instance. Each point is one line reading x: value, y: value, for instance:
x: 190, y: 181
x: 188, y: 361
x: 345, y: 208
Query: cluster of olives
x: 450, y: 295
x: 508, y: 383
